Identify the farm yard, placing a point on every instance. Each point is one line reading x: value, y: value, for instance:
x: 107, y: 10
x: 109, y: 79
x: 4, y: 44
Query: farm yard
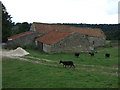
x: 41, y: 70
x: 66, y: 48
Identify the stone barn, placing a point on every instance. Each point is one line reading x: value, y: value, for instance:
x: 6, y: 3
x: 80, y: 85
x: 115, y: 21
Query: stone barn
x: 96, y: 36
x: 22, y: 39
x: 53, y: 38
x: 55, y: 42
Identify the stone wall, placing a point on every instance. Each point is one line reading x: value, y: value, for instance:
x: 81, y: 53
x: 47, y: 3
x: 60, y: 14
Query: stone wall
x: 32, y: 28
x: 39, y: 46
x: 97, y: 41
x: 72, y: 43
x: 28, y: 40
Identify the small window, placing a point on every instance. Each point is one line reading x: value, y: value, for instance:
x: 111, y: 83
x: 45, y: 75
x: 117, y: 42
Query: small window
x: 93, y: 42
x: 9, y: 39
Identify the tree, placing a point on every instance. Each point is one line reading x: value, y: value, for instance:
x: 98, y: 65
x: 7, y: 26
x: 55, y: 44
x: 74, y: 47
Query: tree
x: 6, y: 24
x: 20, y: 28
x: 24, y: 27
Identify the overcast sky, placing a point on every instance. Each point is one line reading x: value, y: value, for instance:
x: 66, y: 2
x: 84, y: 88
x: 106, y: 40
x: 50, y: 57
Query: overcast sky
x: 63, y: 11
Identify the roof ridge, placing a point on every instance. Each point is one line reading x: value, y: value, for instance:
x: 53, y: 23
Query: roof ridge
x: 63, y: 25
x: 47, y: 27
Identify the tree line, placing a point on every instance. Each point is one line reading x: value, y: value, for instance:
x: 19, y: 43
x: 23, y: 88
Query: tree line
x: 10, y: 28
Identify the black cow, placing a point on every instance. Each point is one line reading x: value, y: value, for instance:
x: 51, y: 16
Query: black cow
x: 91, y: 53
x: 77, y: 54
x: 107, y: 55
x: 67, y: 63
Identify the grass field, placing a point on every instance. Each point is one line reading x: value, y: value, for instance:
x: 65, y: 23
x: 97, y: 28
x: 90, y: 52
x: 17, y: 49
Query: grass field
x: 90, y: 72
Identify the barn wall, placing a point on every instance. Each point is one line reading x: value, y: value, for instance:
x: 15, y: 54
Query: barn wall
x: 96, y: 41
x: 23, y: 41
x: 32, y: 28
x: 72, y: 43
x: 48, y: 48
x: 39, y: 46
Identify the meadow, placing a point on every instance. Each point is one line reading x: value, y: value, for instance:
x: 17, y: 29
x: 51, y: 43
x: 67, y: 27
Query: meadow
x: 90, y: 72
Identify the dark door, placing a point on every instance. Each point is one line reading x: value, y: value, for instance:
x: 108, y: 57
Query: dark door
x: 40, y: 46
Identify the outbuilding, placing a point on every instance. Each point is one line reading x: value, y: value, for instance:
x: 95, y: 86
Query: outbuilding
x: 53, y: 38
x: 56, y: 42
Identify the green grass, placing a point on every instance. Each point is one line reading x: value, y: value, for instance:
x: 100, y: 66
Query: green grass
x: 112, y: 41
x: 84, y: 58
x: 21, y: 74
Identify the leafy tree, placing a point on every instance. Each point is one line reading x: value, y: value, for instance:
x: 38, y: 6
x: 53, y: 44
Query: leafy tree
x: 15, y: 29
x: 20, y: 27
x: 24, y: 27
x: 6, y: 24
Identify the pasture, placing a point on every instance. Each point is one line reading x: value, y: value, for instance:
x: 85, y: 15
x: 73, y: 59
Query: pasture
x: 44, y: 70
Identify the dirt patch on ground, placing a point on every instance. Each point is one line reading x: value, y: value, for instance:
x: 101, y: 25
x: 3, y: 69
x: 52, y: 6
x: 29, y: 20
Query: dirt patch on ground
x: 40, y: 59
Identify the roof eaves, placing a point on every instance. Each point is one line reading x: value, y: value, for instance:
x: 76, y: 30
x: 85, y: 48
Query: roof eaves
x: 20, y: 35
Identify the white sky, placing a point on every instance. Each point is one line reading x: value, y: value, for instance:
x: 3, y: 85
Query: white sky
x: 63, y: 11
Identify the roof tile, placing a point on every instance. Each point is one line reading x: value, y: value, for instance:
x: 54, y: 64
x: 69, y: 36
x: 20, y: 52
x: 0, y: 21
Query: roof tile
x: 53, y: 37
x: 45, y: 28
x: 20, y: 35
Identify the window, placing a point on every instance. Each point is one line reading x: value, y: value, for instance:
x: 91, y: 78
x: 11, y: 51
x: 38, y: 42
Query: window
x: 10, y: 39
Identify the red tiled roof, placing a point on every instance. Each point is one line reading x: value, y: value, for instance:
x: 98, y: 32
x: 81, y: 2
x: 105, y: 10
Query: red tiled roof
x: 45, y: 28
x: 90, y: 32
x: 20, y: 35
x: 53, y: 37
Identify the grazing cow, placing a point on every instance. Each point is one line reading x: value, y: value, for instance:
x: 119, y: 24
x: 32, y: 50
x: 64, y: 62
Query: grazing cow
x: 91, y: 53
x: 67, y: 63
x: 77, y: 54
x: 107, y: 55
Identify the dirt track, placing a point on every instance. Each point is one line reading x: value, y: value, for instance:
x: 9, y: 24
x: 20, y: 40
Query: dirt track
x: 86, y: 68
x: 78, y: 69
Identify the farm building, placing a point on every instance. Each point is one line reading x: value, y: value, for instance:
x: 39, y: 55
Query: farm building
x: 22, y: 39
x: 55, y: 42
x: 53, y: 38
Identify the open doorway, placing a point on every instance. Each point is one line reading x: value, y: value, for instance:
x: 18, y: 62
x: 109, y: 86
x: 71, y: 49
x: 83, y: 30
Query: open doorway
x: 40, y: 46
